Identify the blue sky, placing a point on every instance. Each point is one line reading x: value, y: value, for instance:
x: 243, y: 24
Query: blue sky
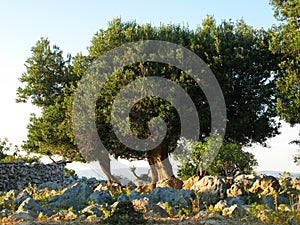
x: 71, y: 25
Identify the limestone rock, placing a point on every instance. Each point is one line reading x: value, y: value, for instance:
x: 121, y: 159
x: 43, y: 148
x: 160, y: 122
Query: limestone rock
x: 75, y: 196
x: 236, y: 189
x: 94, y: 209
x: 31, y: 207
x: 172, y: 196
x: 170, y: 182
x: 265, y: 185
x: 21, y: 197
x: 16, y: 175
x: 156, y: 211
x: 222, y: 204
x: 71, y: 215
x: 136, y: 195
x: 212, y: 189
x: 101, y: 197
x: 296, y: 183
x: 49, y: 185
x: 246, y: 180
x: 142, y: 204
x: 233, y: 210
x: 239, y: 200
x: 145, y: 188
x: 22, y: 216
x: 123, y: 198
x: 190, y: 182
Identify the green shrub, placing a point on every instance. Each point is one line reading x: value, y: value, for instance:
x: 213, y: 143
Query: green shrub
x: 70, y: 172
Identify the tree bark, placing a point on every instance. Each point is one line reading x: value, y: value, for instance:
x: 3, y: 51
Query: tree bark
x: 201, y: 173
x: 136, y: 176
x: 104, y: 162
x: 159, y: 163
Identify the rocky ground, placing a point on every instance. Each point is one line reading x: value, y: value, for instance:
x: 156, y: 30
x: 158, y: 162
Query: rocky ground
x: 247, y: 199
x: 170, y: 221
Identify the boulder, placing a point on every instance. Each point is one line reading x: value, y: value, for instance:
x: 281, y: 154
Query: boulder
x: 69, y: 181
x: 142, y: 204
x: 136, y: 195
x: 236, y: 189
x: 93, y: 182
x: 175, y: 197
x: 266, y: 185
x: 156, y: 211
x: 268, y: 201
x: 296, y: 183
x: 30, y: 207
x: 123, y: 198
x: 222, y: 204
x: 212, y: 189
x: 172, y: 182
x: 246, y: 180
x: 58, y: 216
x: 239, y: 200
x: 233, y: 210
x: 76, y: 196
x: 100, y: 197
x: 145, y: 188
x: 190, y: 182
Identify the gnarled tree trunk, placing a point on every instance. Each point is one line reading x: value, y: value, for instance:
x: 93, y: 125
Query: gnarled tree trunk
x: 160, y: 165
x: 104, y: 162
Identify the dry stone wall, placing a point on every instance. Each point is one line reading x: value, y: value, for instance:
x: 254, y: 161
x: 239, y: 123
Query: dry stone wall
x: 15, y: 175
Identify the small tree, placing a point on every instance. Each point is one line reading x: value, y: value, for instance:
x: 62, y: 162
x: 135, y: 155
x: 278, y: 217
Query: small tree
x: 10, y: 153
x: 4, y: 148
x: 230, y: 161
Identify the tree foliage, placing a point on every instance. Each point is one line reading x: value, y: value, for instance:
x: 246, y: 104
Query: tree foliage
x: 287, y: 41
x: 49, y: 83
x: 237, y: 54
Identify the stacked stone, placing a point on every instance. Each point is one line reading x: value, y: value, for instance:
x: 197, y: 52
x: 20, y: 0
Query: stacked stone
x: 16, y: 175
